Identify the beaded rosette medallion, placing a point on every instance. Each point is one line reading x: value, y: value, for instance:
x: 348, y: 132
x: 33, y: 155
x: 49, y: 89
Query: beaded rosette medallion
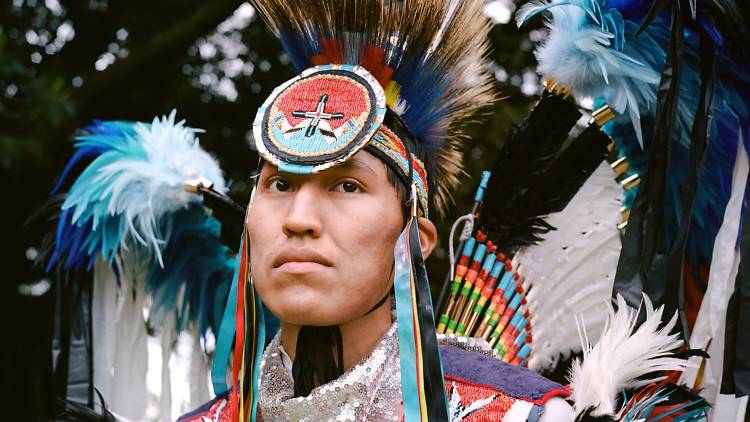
x: 319, y: 118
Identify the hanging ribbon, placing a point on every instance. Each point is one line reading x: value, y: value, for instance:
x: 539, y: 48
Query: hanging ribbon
x: 736, y: 378
x: 226, y: 333
x: 422, y: 385
x: 249, y: 339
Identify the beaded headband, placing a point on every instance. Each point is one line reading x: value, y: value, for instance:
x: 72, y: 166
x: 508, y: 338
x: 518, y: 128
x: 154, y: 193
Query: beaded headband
x: 323, y: 117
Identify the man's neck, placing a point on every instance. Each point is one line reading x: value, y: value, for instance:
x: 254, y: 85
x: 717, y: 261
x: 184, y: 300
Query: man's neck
x: 359, y: 336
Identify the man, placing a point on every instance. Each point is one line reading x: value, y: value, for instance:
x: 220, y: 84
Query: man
x: 356, y: 152
x: 317, y: 260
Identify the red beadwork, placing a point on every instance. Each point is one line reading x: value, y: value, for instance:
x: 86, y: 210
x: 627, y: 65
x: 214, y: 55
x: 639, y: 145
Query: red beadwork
x: 470, y: 393
x: 343, y: 96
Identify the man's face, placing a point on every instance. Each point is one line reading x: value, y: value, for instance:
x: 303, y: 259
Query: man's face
x: 321, y: 246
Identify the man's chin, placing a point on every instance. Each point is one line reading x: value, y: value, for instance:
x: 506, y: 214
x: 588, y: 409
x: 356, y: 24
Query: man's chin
x: 307, y: 314
x: 301, y: 302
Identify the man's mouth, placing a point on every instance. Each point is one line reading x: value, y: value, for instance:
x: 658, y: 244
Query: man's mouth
x: 300, y: 261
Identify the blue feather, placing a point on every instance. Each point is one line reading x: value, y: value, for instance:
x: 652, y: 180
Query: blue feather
x: 128, y: 205
x: 593, y: 50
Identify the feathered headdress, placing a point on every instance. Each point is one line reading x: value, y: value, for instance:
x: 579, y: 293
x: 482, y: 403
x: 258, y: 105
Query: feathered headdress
x: 358, y: 62
x: 428, y: 56
x: 547, y: 240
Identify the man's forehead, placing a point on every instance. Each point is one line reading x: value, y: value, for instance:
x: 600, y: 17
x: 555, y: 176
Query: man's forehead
x: 362, y: 160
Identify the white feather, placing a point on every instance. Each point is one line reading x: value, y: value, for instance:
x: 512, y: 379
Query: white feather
x: 103, y: 327
x: 572, y: 270
x: 168, y: 334
x: 622, y: 356
x: 130, y: 362
x: 199, y: 374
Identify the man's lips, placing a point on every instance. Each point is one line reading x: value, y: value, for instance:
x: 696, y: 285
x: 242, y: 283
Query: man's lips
x: 300, y: 260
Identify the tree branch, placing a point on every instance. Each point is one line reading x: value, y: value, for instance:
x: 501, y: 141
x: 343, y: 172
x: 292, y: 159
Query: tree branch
x: 170, y: 43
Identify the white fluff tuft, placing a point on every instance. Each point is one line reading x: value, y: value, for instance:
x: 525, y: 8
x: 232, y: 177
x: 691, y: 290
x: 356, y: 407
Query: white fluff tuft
x: 151, y: 188
x: 622, y: 356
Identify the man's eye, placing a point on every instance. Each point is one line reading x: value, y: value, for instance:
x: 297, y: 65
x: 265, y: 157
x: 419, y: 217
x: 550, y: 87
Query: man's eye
x: 279, y: 185
x: 349, y: 187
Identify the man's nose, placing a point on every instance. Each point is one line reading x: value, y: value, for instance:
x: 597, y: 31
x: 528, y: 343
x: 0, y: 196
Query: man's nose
x: 303, y: 213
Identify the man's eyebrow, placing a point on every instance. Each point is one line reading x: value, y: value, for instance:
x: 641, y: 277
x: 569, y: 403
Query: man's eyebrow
x: 355, y: 164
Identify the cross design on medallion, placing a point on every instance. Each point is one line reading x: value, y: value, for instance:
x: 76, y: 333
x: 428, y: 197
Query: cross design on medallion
x: 317, y: 115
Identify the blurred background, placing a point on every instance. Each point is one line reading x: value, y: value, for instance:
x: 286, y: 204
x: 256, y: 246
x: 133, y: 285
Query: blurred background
x: 63, y: 64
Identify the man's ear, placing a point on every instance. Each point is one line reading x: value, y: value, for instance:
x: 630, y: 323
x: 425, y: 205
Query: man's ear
x: 427, y: 236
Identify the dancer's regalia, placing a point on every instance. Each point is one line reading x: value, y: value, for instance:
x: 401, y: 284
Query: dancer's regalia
x: 539, y: 254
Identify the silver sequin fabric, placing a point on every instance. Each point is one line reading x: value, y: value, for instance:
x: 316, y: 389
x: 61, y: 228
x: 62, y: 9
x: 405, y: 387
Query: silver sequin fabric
x: 369, y: 391
x: 472, y: 344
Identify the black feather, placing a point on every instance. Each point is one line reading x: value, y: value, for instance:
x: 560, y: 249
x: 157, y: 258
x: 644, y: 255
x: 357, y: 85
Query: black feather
x: 586, y: 416
x: 554, y: 189
x: 538, y: 173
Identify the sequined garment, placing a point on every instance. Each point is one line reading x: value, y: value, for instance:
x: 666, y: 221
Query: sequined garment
x: 369, y: 391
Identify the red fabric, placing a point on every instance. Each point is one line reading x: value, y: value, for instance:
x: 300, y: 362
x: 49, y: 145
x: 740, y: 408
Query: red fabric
x: 221, y: 407
x: 470, y: 393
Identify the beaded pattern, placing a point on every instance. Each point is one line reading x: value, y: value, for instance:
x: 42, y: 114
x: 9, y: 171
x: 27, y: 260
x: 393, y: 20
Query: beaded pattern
x: 371, y: 391
x: 393, y: 148
x: 319, y: 118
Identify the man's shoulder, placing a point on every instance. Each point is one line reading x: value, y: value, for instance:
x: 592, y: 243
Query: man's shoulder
x: 477, y: 383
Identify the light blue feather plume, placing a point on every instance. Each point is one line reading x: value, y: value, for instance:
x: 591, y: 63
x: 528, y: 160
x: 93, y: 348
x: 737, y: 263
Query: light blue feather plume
x: 194, y: 280
x: 592, y: 50
x: 137, y: 176
x: 129, y: 201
